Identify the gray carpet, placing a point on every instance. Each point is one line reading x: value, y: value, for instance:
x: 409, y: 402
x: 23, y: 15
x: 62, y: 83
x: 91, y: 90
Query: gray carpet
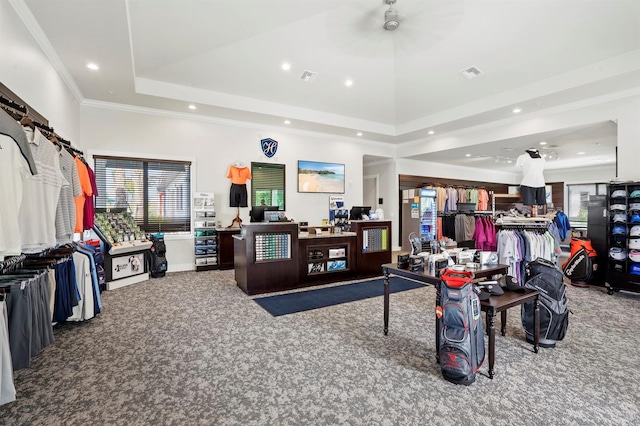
x: 192, y: 348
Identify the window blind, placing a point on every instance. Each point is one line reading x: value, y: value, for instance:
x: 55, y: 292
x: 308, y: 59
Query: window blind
x: 156, y: 193
x: 267, y: 184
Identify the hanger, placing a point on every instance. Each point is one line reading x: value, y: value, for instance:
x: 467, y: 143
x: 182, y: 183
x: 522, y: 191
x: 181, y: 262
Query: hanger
x: 26, y: 121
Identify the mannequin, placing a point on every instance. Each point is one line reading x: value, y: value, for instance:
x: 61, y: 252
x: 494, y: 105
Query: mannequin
x: 239, y: 175
x: 532, y: 184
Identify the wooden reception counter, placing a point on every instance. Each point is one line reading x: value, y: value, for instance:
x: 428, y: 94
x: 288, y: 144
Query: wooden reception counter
x: 272, y: 257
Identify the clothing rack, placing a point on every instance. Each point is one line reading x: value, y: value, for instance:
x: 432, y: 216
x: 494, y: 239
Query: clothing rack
x: 11, y: 263
x: 21, y: 113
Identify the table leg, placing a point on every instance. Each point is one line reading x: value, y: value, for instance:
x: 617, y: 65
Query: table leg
x: 503, y: 322
x: 491, y: 315
x: 536, y: 323
x: 386, y: 301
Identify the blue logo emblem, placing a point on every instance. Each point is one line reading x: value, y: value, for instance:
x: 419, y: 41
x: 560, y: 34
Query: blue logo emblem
x: 269, y: 147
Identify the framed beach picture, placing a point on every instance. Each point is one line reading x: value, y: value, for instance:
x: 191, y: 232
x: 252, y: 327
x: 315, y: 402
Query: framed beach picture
x: 314, y: 176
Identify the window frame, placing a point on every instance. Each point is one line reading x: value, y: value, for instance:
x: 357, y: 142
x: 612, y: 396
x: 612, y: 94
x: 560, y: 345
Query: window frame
x: 155, y: 157
x: 253, y: 197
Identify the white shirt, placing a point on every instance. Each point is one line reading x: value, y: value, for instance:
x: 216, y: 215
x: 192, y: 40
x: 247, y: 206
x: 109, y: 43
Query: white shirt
x: 532, y: 171
x: 40, y: 196
x: 14, y: 169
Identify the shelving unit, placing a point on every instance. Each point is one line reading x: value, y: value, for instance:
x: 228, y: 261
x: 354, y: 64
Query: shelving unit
x: 124, y: 245
x: 205, y: 234
x: 374, y: 246
x: 327, y: 258
x: 266, y: 257
x: 619, y: 275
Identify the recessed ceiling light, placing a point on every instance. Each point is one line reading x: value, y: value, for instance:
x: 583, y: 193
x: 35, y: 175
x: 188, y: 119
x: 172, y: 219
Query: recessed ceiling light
x: 581, y: 153
x: 359, y: 133
x: 467, y: 155
x: 192, y: 107
x: 516, y: 110
x: 543, y: 143
x: 92, y: 66
x: 348, y: 83
x: 509, y: 161
x: 286, y: 66
x: 431, y: 132
x: 287, y: 122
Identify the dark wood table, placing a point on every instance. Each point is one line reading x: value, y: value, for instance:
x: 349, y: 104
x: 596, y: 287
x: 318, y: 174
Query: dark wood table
x: 492, y: 306
x: 500, y: 304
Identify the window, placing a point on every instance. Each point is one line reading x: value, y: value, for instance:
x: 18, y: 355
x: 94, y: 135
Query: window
x: 157, y: 193
x: 267, y: 184
x: 578, y: 197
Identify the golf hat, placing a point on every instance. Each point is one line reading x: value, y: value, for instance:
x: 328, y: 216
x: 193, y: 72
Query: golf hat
x: 635, y: 268
x: 510, y: 283
x: 634, y: 206
x: 634, y: 255
x: 635, y: 194
x: 620, y: 217
x: 619, y: 193
x: 634, y: 231
x: 635, y: 218
x: 619, y: 230
x: 634, y: 243
x: 618, y: 207
x: 617, y: 253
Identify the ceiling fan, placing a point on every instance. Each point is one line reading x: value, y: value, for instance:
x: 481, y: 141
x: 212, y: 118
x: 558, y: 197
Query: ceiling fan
x: 391, y: 17
x: 389, y: 28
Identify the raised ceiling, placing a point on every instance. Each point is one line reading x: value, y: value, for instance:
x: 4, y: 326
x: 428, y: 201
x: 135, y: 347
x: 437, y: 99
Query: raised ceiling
x: 225, y: 57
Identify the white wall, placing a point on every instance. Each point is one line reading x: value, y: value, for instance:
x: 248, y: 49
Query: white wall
x: 214, y: 146
x: 27, y: 72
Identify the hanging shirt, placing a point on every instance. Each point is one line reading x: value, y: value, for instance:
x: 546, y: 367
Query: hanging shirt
x: 14, y: 169
x: 41, y: 193
x: 66, y: 210
x: 89, y: 204
x: 85, y: 184
x: 239, y: 176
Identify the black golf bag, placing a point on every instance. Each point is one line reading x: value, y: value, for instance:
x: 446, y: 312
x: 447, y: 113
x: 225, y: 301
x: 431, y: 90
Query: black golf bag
x: 156, y: 256
x: 544, y: 276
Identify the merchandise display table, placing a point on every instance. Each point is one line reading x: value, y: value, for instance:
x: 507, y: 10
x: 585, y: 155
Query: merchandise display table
x: 492, y: 306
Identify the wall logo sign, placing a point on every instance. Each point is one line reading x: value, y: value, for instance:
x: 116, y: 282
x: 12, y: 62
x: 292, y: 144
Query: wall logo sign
x: 269, y: 147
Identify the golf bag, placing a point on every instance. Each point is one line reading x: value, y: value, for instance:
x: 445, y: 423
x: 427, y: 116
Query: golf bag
x: 581, y: 264
x: 156, y: 256
x: 544, y: 276
x: 461, y: 350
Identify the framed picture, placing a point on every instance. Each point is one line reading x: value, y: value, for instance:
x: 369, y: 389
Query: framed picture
x: 314, y: 176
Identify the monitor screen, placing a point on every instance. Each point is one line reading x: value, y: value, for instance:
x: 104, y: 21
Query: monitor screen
x: 257, y: 212
x: 356, y: 212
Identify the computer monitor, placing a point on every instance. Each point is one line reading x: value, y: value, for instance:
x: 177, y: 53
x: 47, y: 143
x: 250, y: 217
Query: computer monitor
x: 356, y: 212
x: 257, y: 212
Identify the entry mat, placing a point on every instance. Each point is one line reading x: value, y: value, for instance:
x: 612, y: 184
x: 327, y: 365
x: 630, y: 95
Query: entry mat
x: 300, y: 301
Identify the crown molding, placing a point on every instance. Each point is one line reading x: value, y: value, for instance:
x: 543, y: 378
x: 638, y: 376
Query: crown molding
x: 92, y: 103
x: 34, y: 28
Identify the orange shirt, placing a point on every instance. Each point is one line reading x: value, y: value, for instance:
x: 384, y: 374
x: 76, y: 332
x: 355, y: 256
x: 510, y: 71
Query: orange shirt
x: 239, y: 176
x: 85, y: 184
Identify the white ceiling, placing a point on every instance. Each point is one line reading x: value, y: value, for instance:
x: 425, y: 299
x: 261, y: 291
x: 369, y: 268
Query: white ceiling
x: 225, y: 57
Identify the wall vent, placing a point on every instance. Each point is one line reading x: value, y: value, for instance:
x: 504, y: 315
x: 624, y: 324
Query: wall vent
x: 308, y: 76
x: 471, y: 72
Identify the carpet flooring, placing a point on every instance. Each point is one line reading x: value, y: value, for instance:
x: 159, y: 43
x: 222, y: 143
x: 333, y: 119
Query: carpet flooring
x: 300, y: 301
x: 192, y: 348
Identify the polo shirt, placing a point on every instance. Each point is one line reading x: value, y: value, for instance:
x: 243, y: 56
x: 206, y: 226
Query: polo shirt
x: 13, y: 171
x: 11, y: 128
x: 40, y: 195
x: 532, y: 170
x: 66, y: 210
x: 86, y: 191
x: 238, y: 175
